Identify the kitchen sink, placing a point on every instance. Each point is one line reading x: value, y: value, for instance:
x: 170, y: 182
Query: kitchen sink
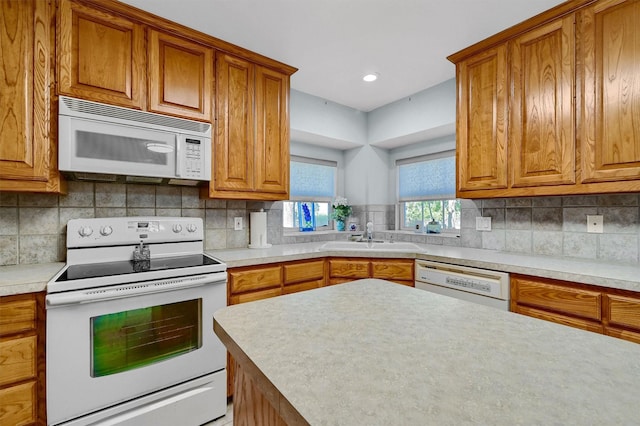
x: 376, y: 245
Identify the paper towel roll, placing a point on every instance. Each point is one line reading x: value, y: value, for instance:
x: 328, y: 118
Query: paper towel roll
x: 258, y: 229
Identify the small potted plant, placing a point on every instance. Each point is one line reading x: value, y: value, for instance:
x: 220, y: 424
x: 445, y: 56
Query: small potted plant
x: 341, y: 210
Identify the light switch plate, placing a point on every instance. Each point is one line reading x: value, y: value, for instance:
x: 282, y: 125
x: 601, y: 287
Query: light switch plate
x: 595, y: 224
x: 237, y: 223
x: 483, y: 223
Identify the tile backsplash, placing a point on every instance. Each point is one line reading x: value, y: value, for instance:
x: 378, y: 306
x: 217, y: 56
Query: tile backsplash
x: 557, y: 226
x: 33, y: 226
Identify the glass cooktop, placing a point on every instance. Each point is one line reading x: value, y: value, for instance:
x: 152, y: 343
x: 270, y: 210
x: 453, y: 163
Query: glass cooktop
x: 106, y: 269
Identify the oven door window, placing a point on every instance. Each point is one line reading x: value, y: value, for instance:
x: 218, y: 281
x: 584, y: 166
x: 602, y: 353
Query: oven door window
x: 132, y: 339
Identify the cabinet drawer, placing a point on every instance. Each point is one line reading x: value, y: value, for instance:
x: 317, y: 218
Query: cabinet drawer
x: 392, y: 269
x: 349, y: 268
x: 305, y: 271
x: 624, y: 311
x: 580, y: 323
x: 254, y: 295
x: 18, y: 404
x: 17, y: 359
x: 254, y: 279
x: 17, y: 315
x: 567, y: 300
x: 307, y: 285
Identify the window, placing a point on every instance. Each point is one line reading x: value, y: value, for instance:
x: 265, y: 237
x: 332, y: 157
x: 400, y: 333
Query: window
x: 426, y: 193
x: 312, y: 181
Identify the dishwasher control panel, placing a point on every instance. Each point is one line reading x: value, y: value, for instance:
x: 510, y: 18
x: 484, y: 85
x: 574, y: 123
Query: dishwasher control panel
x: 479, y: 281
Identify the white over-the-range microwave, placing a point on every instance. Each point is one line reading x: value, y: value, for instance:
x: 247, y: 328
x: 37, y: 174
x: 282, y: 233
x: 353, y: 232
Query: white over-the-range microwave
x: 99, y: 142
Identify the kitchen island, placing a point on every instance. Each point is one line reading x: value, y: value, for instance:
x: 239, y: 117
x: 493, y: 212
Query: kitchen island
x: 372, y: 352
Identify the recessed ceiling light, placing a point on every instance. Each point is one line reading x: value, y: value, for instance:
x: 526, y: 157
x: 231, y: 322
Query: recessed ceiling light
x: 370, y: 77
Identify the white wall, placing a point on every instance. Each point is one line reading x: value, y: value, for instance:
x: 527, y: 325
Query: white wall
x: 366, y: 145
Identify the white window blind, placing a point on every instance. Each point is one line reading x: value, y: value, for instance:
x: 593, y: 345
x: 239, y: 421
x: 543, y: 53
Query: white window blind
x: 430, y: 177
x: 312, y: 179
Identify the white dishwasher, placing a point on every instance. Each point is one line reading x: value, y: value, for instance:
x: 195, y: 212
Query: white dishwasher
x: 490, y: 288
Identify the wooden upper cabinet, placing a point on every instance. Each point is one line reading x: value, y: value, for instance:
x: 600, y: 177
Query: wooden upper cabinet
x: 541, y: 138
x: 28, y: 155
x: 101, y: 56
x: 251, y: 151
x: 233, y: 156
x: 180, y: 76
x: 272, y: 132
x: 610, y: 123
x: 482, y: 121
x: 572, y: 97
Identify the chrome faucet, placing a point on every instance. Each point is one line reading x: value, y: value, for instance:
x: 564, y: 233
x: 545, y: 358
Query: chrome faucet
x: 369, y: 231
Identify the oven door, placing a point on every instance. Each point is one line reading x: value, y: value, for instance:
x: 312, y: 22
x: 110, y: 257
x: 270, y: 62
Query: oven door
x: 110, y: 345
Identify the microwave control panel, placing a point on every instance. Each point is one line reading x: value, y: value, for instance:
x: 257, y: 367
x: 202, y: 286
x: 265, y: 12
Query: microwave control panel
x: 194, y: 158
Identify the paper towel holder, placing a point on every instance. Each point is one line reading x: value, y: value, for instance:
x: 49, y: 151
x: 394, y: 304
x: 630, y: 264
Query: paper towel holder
x: 258, y: 230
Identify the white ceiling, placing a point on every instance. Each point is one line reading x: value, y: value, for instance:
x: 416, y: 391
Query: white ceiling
x: 334, y: 43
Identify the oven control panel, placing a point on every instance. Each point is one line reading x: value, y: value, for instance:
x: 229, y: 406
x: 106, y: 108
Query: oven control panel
x: 132, y: 230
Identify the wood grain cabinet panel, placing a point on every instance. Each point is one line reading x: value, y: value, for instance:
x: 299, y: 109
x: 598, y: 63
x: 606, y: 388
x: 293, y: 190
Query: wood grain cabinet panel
x: 541, y: 138
x: 251, y: 151
x: 22, y: 337
x: 559, y: 298
x: 252, y: 279
x: 17, y: 316
x: 28, y: 152
x: 482, y: 121
x: 101, y: 56
x: 623, y: 311
x: 573, y: 96
x: 610, y: 124
x: 180, y: 76
x: 303, y: 271
x: 400, y: 271
x: 18, y: 405
x: 272, y: 133
x: 598, y: 309
x: 17, y: 359
x: 347, y: 269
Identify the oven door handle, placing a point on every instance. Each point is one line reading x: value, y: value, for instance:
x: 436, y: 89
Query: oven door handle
x: 129, y: 290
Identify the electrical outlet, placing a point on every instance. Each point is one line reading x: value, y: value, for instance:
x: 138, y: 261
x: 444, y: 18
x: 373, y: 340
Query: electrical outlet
x: 237, y: 223
x: 483, y: 223
x: 595, y: 224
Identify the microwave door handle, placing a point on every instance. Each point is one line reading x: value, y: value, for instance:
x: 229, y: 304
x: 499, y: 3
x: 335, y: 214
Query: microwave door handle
x: 178, y: 156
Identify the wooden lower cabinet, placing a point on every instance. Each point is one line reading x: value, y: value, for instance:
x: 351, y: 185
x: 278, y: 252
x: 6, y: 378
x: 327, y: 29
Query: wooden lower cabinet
x: 598, y: 309
x: 22, y: 335
x: 348, y: 269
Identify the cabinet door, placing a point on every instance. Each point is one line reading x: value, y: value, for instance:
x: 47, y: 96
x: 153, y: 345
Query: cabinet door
x: 349, y: 268
x: 396, y: 270
x: 272, y: 133
x: 233, y: 159
x: 610, y: 106
x: 28, y: 156
x: 482, y: 121
x: 180, y: 76
x: 255, y: 278
x: 541, y: 137
x: 18, y: 404
x: 622, y: 316
x: 101, y: 56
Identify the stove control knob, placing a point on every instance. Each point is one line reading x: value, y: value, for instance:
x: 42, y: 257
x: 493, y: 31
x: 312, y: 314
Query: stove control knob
x: 177, y: 228
x: 85, y: 231
x: 192, y: 227
x: 106, y: 231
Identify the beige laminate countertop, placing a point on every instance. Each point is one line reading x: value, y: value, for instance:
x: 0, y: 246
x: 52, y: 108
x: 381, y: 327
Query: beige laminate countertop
x: 606, y: 274
x: 17, y: 279
x: 375, y: 353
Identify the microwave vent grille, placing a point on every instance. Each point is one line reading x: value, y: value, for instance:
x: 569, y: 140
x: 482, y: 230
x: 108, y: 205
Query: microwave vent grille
x: 98, y: 109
